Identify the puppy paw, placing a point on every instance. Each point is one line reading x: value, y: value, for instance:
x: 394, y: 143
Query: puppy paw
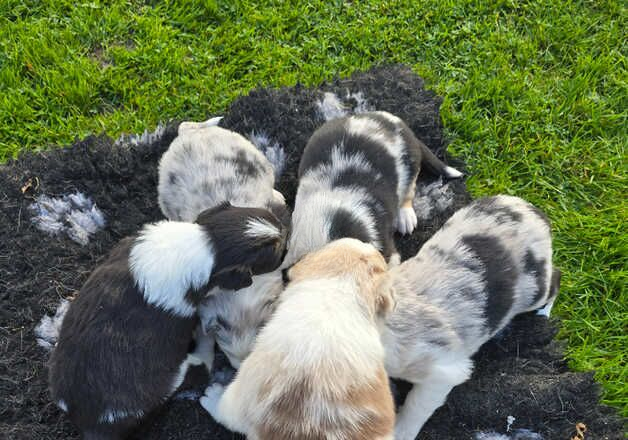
x: 406, y: 220
x: 212, y: 396
x: 278, y: 197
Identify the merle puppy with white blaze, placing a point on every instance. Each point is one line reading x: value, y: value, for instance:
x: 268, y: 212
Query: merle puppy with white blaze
x: 490, y: 261
x: 123, y: 345
x: 206, y: 165
x: 357, y: 179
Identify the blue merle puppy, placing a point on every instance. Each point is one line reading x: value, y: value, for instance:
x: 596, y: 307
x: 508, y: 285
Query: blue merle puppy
x: 490, y: 261
x: 357, y: 179
x: 206, y: 165
x: 124, y: 342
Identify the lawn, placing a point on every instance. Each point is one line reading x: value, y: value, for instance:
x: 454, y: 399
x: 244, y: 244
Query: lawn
x: 536, y: 101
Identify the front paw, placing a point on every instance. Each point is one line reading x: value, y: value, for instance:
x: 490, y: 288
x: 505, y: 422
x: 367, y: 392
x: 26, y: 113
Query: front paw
x: 406, y: 220
x: 212, y: 397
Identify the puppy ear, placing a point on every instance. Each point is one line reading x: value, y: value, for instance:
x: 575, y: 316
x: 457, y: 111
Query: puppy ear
x: 235, y: 279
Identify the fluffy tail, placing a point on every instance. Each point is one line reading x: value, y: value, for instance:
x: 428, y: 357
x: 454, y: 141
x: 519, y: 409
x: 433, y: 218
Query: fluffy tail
x: 435, y: 165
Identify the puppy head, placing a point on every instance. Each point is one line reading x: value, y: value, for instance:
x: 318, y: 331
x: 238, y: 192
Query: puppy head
x: 349, y: 257
x: 245, y: 241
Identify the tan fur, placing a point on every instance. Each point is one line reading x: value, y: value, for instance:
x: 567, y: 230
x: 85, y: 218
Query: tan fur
x: 318, y: 375
x: 370, y: 271
x: 407, y: 201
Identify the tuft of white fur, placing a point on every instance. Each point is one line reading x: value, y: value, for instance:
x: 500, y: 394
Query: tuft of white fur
x: 452, y: 173
x: 115, y: 415
x: 261, y: 228
x: 331, y: 107
x: 167, y: 259
x: 147, y: 137
x: 74, y: 215
x: 62, y: 405
x: 509, y: 421
x: 47, y: 331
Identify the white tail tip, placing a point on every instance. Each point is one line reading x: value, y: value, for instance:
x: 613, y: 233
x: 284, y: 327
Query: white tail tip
x: 187, y: 126
x: 452, y: 173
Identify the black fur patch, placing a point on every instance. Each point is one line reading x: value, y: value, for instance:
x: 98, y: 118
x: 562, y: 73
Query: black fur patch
x: 237, y: 255
x: 245, y: 166
x: 172, y: 178
x: 536, y: 268
x: 500, y: 275
x: 108, y: 344
x: 489, y: 206
x: 345, y: 225
x: 540, y: 214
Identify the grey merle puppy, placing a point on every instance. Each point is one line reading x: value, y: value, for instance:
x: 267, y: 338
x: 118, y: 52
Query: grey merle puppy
x: 124, y: 342
x: 206, y: 165
x: 357, y: 179
x: 490, y: 261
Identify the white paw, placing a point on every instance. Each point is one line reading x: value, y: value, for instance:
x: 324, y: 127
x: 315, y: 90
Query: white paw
x: 278, y: 197
x: 395, y: 260
x: 406, y: 221
x: 212, y: 396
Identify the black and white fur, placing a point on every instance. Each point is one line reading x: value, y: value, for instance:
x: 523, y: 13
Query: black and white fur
x: 357, y: 179
x: 206, y: 165
x: 123, y: 345
x: 490, y: 261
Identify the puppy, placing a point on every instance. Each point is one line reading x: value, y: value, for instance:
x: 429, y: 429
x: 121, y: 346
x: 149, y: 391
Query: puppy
x: 357, y: 179
x: 490, y: 261
x: 206, y: 165
x: 317, y: 370
x: 123, y: 345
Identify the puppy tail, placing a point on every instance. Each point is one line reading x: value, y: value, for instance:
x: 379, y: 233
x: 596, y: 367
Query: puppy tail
x: 553, y: 293
x: 436, y: 166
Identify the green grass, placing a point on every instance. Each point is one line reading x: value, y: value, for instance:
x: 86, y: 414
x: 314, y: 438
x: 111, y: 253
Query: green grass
x: 536, y: 102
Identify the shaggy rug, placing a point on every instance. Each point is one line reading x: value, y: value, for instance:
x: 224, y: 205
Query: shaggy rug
x: 63, y: 209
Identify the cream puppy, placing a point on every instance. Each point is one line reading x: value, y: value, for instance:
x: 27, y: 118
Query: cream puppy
x: 317, y: 367
x: 490, y: 261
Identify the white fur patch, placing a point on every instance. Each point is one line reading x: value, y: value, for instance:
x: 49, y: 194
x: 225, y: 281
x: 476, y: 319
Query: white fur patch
x: 168, y: 259
x: 406, y: 220
x: 260, y: 228
x: 74, y: 215
x: 47, y: 331
x: 114, y: 415
x: 331, y: 107
x: 62, y: 405
x: 148, y: 137
x: 452, y: 173
x: 547, y: 309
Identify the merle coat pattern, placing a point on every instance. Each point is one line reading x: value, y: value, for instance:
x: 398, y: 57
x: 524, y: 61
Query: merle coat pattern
x: 357, y: 179
x: 206, y: 165
x: 123, y: 345
x: 489, y: 262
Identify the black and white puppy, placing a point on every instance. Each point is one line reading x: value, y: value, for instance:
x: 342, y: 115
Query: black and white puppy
x: 206, y: 165
x: 123, y: 346
x: 490, y: 261
x: 357, y: 179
